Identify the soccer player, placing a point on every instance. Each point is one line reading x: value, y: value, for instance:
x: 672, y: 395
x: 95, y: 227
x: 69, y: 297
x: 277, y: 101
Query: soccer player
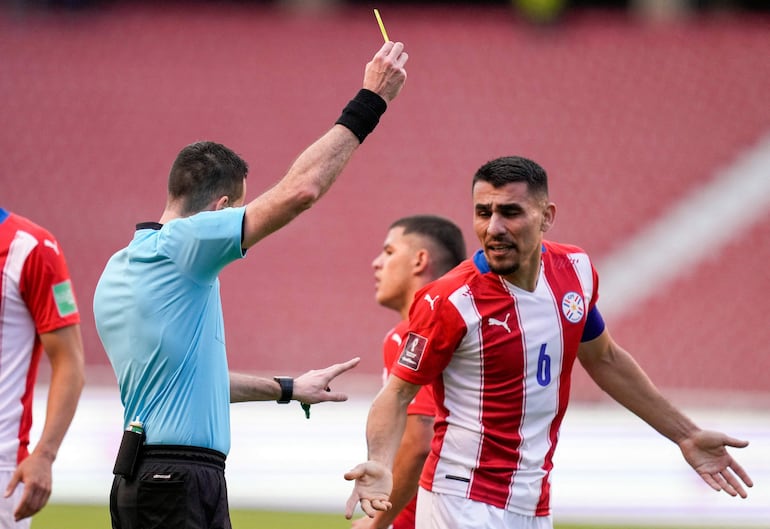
x: 497, y: 337
x: 38, y: 312
x: 159, y: 316
x: 417, y: 250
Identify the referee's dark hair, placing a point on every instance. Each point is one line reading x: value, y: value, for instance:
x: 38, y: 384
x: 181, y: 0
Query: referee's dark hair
x: 204, y: 171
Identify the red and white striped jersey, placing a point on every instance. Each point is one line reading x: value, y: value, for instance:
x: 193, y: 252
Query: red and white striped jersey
x: 500, y: 360
x: 36, y: 297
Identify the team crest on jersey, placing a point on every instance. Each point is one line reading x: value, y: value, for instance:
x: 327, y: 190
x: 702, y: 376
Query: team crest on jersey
x: 573, y: 307
x: 412, y: 352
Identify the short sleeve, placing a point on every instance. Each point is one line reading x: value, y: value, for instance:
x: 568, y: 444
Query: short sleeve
x: 203, y: 244
x: 435, y: 330
x: 46, y: 287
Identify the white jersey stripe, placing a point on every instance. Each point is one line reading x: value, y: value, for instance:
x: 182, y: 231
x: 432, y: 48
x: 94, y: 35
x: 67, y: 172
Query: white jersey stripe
x: 538, y: 316
x: 464, y: 407
x: 14, y: 347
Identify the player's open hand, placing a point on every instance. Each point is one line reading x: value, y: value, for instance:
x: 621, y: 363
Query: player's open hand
x: 385, y: 74
x: 706, y: 452
x: 313, y: 387
x: 35, y: 473
x: 373, y: 483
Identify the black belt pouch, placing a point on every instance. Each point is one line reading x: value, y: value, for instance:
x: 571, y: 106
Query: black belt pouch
x: 128, y: 454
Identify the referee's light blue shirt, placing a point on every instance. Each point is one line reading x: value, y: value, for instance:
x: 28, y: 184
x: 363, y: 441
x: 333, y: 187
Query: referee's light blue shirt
x: 159, y: 315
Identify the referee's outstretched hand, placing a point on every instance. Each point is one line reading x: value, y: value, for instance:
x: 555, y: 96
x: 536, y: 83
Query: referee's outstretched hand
x: 313, y: 387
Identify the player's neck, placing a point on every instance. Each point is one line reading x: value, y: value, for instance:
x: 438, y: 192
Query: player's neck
x: 407, y: 300
x: 526, y: 276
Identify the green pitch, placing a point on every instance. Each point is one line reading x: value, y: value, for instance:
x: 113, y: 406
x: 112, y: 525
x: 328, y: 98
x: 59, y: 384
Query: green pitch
x: 98, y: 517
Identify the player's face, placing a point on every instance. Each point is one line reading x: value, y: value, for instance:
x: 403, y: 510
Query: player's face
x: 393, y: 269
x: 510, y: 222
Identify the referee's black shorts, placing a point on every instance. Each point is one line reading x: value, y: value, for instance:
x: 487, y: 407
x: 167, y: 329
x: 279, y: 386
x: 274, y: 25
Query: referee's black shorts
x: 174, y: 487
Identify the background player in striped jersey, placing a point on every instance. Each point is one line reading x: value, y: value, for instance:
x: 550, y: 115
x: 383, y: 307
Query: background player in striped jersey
x: 417, y: 250
x: 497, y: 337
x: 38, y: 312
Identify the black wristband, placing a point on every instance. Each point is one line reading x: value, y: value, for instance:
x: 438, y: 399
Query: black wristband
x: 362, y: 113
x: 287, y: 389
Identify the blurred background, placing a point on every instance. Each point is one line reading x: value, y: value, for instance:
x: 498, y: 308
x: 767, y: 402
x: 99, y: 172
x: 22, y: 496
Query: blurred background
x: 652, y: 118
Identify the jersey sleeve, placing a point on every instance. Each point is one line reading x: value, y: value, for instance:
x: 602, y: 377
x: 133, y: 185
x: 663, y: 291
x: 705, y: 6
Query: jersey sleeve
x: 589, y: 279
x: 203, y: 244
x: 435, y: 330
x: 595, y: 293
x: 423, y: 403
x: 46, y: 287
x: 594, y: 322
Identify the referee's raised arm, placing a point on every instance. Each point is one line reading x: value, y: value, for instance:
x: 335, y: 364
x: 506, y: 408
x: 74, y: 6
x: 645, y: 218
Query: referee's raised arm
x: 317, y: 167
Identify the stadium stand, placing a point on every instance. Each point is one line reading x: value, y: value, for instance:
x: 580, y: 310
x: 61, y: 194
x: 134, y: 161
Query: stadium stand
x: 628, y: 117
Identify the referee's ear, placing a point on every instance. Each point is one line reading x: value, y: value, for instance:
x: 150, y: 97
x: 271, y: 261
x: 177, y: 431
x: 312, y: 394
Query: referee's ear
x: 221, y: 203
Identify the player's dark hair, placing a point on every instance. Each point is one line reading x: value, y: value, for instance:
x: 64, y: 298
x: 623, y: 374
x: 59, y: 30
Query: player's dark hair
x: 443, y: 232
x: 508, y: 169
x: 204, y: 171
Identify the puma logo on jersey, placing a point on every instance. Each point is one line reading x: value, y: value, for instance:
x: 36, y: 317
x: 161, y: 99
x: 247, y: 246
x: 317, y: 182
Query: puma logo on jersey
x: 52, y: 245
x: 503, y: 324
x: 396, y: 338
x: 429, y: 300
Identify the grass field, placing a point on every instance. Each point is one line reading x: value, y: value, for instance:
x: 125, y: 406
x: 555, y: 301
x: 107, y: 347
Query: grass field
x: 97, y: 517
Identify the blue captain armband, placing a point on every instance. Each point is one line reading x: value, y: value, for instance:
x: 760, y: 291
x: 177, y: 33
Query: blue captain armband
x: 594, y: 325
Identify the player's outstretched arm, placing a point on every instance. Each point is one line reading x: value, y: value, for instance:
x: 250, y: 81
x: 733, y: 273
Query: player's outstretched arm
x: 618, y: 374
x: 384, y: 430
x: 407, y: 467
x: 317, y: 167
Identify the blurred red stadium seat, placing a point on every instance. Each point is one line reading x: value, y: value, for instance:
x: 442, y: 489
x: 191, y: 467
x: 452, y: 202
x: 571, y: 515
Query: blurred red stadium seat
x: 627, y: 119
